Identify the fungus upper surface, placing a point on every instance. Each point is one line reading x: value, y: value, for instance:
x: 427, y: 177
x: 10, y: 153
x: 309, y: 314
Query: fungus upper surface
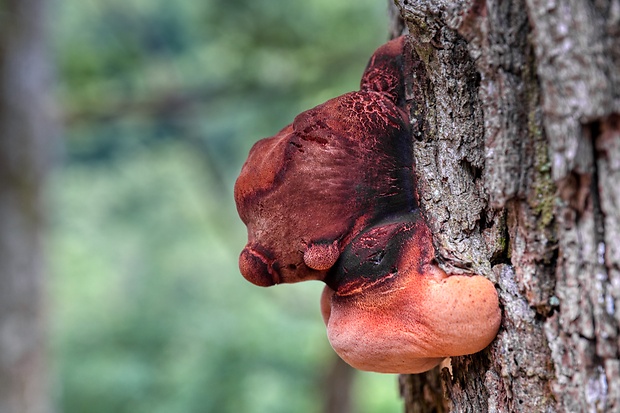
x: 323, y: 178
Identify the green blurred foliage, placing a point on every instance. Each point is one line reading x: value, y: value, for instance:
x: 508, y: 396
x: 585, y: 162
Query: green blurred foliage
x: 161, y: 102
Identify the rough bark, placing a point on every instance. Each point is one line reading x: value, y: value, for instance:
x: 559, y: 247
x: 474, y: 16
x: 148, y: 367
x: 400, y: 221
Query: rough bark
x: 26, y: 127
x: 516, y: 111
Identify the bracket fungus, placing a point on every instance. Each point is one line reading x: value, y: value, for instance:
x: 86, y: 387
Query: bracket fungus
x: 332, y: 197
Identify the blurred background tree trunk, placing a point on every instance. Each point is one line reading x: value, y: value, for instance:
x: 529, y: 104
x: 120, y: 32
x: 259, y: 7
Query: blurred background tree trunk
x: 517, y: 147
x: 337, y: 387
x: 26, y: 129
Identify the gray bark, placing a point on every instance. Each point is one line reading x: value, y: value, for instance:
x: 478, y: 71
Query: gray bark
x: 516, y: 106
x: 26, y: 127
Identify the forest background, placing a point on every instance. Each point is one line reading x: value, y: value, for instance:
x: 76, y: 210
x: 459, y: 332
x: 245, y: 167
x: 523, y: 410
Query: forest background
x: 160, y: 102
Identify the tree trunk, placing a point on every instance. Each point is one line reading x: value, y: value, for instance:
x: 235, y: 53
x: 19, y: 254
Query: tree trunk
x: 25, y: 132
x: 517, y: 144
x: 337, y: 387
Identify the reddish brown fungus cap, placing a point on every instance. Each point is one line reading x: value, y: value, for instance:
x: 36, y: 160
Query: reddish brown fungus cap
x: 306, y: 191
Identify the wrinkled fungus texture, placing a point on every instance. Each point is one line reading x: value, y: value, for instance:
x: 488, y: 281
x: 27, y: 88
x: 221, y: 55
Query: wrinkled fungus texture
x: 332, y: 197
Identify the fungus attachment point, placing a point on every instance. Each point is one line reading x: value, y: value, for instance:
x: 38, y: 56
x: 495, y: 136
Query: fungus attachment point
x: 342, y: 175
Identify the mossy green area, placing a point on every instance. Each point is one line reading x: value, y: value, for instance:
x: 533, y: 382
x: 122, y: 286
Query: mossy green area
x: 543, y: 200
x: 160, y: 103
